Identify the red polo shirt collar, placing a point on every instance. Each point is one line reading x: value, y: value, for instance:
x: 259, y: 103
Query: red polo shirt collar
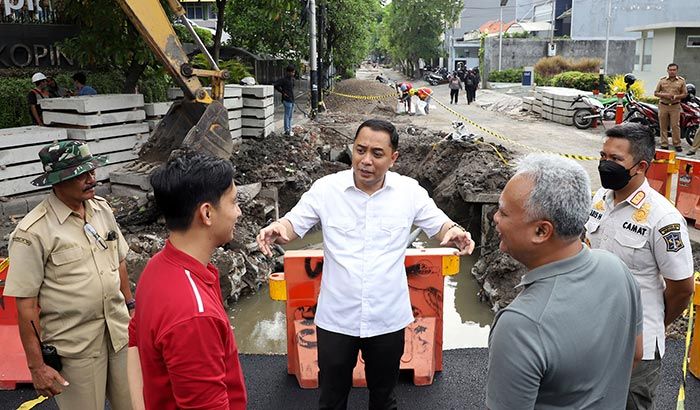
x: 207, y: 274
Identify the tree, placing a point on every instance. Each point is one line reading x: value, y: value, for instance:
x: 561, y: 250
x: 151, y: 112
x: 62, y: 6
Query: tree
x: 412, y: 29
x: 107, y: 40
x: 220, y: 12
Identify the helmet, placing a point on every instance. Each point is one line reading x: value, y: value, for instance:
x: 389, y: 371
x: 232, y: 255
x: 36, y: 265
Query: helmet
x: 690, y: 88
x: 404, y: 87
x: 630, y: 79
x: 412, y: 91
x: 247, y: 81
x: 38, y: 77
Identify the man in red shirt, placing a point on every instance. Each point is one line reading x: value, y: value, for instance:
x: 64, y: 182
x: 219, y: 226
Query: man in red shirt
x: 180, y: 334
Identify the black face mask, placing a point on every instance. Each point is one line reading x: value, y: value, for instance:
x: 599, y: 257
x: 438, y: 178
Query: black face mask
x: 613, y: 175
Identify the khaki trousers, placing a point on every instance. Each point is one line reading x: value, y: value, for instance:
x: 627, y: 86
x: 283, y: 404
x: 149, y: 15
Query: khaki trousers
x: 93, y: 379
x: 670, y: 114
x: 696, y: 140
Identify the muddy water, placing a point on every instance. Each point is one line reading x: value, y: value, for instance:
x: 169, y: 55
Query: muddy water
x: 260, y: 326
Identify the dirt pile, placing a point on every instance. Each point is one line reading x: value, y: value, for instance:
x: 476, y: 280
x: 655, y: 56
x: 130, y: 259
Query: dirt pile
x: 385, y: 107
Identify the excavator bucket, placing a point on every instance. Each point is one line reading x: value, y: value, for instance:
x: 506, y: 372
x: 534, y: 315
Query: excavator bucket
x: 190, y: 125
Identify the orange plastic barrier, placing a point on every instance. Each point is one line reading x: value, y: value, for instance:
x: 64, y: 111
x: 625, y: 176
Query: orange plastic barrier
x: 694, y: 355
x: 688, y: 189
x: 13, y: 362
x: 661, y: 172
x: 423, y: 348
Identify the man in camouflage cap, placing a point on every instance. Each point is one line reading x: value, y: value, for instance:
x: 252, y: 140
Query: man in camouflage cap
x: 68, y: 274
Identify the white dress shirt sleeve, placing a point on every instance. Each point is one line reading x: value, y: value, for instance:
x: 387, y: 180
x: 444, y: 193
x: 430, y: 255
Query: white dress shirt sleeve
x: 307, y: 212
x: 428, y: 216
x: 672, y: 247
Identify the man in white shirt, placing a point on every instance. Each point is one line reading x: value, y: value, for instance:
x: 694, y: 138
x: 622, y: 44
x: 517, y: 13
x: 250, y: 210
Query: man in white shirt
x: 366, y: 213
x: 641, y: 227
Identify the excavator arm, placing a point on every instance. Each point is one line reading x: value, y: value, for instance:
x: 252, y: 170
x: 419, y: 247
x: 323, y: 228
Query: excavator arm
x: 198, y: 122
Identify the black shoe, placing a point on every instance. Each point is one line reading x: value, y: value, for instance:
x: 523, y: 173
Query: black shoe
x: 691, y: 152
x: 663, y: 146
x: 679, y: 149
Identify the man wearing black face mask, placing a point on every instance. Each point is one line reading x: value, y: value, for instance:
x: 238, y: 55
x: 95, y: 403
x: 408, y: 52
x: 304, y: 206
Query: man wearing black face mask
x: 641, y: 227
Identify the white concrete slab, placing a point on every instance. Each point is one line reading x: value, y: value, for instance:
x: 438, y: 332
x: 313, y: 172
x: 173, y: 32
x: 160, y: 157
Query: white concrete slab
x: 233, y: 114
x: 258, y: 103
x: 93, y: 103
x: 152, y: 124
x: 235, y: 124
x: 157, y: 109
x: 265, y: 112
x: 258, y: 132
x: 258, y: 91
x: 15, y: 171
x: 230, y: 91
x: 91, y: 134
x: 236, y: 134
x: 116, y: 144
x: 18, y: 186
x: 233, y: 103
x: 91, y: 120
x: 19, y: 155
x: 257, y: 123
x: 12, y: 137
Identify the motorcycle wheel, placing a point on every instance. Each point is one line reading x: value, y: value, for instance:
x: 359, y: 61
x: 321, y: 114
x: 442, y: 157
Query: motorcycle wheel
x: 580, y: 120
x: 689, y: 133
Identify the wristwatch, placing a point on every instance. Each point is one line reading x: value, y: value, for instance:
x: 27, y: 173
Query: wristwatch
x: 131, y: 304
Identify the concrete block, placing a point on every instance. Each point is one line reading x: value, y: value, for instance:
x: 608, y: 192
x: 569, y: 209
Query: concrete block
x: 157, y: 109
x: 258, y: 91
x: 11, y: 137
x: 230, y: 91
x: 152, y: 124
x: 561, y: 93
x: 135, y: 174
x: 566, y: 105
x: 121, y: 156
x: 35, y: 199
x: 237, y: 133
x: 103, y: 173
x: 235, y: 124
x: 18, y: 186
x: 18, y: 170
x: 257, y: 123
x: 93, y: 103
x: 233, y: 103
x: 233, y: 114
x: 537, y: 109
x: 547, y: 115
x: 15, y: 207
x: 258, y: 103
x: 116, y: 144
x: 257, y: 132
x: 19, y: 155
x: 90, y: 120
x: 265, y: 112
x: 91, y: 134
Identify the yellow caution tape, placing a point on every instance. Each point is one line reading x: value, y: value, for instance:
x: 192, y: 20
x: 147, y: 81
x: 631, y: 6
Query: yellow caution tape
x: 680, y: 402
x: 27, y: 405
x: 366, y: 97
x: 4, y: 263
x: 511, y: 141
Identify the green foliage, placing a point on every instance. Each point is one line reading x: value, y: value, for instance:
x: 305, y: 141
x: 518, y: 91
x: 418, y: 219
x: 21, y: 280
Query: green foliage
x: 236, y: 69
x: 524, y: 34
x: 349, y: 28
x: 14, y: 111
x: 617, y: 84
x: 185, y: 37
x: 576, y: 79
x: 550, y: 66
x: 509, y: 75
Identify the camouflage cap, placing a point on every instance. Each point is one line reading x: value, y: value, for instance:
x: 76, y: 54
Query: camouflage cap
x: 65, y: 160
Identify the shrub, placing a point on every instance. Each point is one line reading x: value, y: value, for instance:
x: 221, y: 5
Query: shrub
x: 510, y: 75
x: 185, y: 36
x: 617, y: 84
x: 235, y: 67
x: 576, y: 79
x: 550, y: 66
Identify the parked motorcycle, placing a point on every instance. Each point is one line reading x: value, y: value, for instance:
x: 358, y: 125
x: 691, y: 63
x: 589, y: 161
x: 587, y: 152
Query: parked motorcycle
x: 436, y: 77
x: 584, y: 117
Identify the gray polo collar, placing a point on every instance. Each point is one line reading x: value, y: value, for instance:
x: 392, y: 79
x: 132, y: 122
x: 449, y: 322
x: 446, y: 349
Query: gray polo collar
x: 557, y: 268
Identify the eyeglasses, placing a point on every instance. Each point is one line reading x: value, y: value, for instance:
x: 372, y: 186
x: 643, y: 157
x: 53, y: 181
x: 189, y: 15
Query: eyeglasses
x: 91, y: 231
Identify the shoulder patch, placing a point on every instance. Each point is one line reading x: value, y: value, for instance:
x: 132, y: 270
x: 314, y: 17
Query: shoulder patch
x: 673, y: 240
x: 32, y: 217
x: 23, y: 241
x: 669, y: 228
x: 638, y: 198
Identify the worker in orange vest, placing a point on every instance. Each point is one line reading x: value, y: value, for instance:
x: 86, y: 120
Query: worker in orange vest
x: 425, y: 94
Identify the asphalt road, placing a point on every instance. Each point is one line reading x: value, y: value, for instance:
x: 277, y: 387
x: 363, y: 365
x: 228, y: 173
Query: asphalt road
x: 460, y: 386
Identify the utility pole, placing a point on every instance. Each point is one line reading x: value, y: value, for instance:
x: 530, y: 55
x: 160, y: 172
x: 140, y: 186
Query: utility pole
x: 500, y: 34
x: 607, y: 34
x: 313, y: 75
x: 321, y: 49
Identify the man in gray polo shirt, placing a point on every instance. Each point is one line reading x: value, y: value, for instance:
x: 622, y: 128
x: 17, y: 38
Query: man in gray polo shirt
x: 568, y: 340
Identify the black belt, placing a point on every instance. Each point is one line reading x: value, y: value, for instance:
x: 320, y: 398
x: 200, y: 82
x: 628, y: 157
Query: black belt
x: 675, y: 103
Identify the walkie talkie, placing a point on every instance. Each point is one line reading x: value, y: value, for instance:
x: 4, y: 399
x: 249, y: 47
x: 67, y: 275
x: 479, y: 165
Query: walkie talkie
x: 48, y: 353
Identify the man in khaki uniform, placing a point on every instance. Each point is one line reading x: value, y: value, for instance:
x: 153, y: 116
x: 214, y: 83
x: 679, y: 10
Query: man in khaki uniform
x: 670, y: 90
x: 68, y: 274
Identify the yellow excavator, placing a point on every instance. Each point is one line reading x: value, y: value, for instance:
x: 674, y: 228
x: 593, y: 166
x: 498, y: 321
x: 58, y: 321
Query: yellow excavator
x: 199, y: 121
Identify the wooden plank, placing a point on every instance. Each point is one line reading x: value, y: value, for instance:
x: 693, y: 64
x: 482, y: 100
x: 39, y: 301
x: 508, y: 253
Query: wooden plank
x: 90, y: 120
x: 12, y: 137
x: 93, y: 103
x: 91, y: 134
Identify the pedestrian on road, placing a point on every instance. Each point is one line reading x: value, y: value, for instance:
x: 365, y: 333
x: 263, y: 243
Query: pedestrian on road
x: 548, y: 349
x: 364, y: 303
x: 36, y: 94
x: 470, y: 83
x: 79, y: 80
x: 180, y: 337
x: 68, y: 273
x: 425, y: 94
x: 636, y: 223
x: 405, y: 89
x: 671, y: 90
x: 455, y: 85
x: 285, y: 86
